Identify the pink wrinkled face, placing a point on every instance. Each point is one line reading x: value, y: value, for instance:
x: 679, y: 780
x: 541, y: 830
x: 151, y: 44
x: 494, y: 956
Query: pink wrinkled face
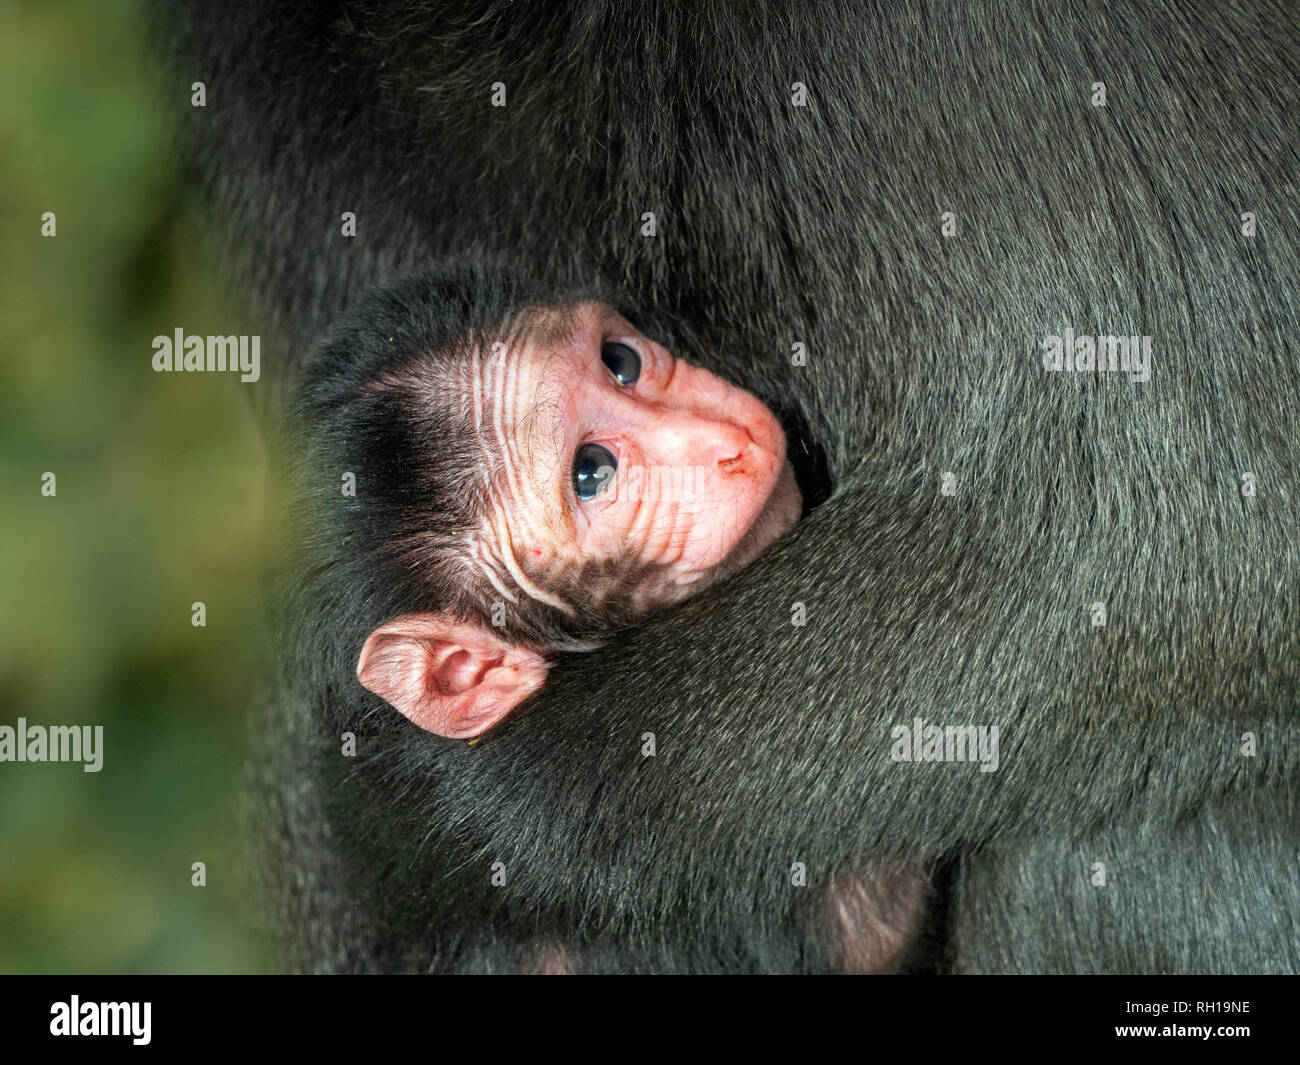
x: 604, y: 446
x: 618, y: 480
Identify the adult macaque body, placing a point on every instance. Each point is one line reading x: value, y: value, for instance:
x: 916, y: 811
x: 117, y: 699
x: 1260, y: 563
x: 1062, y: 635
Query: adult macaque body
x: 915, y: 196
x: 560, y: 475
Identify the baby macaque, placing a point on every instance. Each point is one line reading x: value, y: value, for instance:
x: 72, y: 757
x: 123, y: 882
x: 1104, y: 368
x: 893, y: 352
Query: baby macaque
x: 611, y: 478
x: 546, y: 474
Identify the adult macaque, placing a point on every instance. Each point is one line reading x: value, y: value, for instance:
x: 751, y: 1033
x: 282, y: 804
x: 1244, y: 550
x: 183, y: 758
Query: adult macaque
x: 915, y: 198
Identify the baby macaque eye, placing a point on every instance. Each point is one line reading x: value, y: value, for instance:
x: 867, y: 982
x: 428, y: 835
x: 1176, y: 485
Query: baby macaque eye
x: 593, y: 468
x: 623, y: 362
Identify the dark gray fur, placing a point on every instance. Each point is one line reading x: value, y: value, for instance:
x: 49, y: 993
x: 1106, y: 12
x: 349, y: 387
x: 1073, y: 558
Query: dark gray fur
x: 821, y: 225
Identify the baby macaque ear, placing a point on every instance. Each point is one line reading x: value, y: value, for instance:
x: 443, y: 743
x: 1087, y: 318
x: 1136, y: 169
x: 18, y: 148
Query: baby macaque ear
x: 451, y: 678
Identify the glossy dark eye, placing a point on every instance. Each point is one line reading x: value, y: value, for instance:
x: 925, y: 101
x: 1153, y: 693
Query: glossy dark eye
x: 593, y: 468
x: 623, y: 362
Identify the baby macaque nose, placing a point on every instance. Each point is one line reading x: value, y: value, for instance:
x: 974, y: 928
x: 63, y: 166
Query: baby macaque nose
x: 697, y: 420
x: 695, y: 441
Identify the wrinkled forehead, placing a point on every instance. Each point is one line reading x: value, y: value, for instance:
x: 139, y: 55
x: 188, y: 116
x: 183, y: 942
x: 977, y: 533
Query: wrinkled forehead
x: 517, y: 390
x: 518, y: 381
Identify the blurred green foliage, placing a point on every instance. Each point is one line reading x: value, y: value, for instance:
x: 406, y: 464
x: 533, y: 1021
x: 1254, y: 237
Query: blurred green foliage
x: 160, y: 483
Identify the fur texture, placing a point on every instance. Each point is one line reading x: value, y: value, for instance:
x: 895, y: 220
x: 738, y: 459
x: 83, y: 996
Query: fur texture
x: 820, y: 225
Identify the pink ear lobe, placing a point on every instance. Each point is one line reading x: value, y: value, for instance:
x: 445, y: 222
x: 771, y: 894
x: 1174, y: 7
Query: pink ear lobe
x: 450, y: 678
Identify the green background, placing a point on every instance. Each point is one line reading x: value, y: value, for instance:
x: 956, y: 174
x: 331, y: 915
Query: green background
x: 159, y: 505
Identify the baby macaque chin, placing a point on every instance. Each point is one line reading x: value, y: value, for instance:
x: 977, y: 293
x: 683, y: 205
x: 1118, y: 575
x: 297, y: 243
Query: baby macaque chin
x: 779, y: 515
